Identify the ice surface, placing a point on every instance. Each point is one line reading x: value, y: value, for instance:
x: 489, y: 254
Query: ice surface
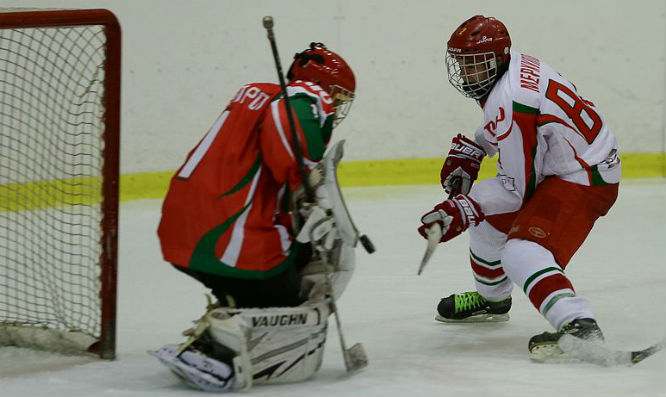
x: 388, y: 308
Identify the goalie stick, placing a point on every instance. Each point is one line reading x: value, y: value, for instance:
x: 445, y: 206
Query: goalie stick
x: 355, y: 357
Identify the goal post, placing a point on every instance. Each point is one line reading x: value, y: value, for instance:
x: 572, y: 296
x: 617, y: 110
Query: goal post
x: 59, y: 173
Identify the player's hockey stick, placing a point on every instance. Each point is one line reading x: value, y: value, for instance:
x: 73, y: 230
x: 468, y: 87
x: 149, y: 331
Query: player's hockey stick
x: 434, y: 232
x: 298, y: 151
x: 355, y: 357
x: 598, y: 353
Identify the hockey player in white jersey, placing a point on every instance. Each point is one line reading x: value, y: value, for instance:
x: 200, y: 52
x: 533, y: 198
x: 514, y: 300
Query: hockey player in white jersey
x: 558, y: 172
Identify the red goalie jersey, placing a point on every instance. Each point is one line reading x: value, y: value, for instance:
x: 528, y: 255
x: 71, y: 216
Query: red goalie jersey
x: 222, y: 211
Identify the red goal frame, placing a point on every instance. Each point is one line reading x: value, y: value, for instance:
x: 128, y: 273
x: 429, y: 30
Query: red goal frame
x: 24, y: 18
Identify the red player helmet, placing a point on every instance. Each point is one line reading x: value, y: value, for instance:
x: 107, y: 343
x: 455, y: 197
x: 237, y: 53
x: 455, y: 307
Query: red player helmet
x: 477, y: 54
x: 326, y: 68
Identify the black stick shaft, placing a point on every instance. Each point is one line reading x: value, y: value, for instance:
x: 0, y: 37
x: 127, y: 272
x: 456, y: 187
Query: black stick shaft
x: 296, y: 145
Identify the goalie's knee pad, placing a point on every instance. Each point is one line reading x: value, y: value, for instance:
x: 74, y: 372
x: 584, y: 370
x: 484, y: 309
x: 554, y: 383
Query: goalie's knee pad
x: 283, y: 344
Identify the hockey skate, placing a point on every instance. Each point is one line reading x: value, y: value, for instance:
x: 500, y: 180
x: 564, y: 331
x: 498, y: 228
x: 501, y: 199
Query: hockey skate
x: 471, y: 307
x: 197, y: 369
x: 544, y: 346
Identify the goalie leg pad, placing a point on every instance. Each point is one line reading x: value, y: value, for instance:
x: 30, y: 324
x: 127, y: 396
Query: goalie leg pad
x: 285, y: 344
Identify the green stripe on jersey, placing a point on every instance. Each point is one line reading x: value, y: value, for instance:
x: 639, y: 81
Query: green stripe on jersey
x: 308, y: 118
x: 520, y: 108
x: 531, y: 183
x: 597, y: 180
x: 246, y: 179
x: 204, y: 259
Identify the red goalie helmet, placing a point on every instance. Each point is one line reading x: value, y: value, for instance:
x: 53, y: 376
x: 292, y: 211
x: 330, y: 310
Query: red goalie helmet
x: 326, y: 68
x: 477, y: 54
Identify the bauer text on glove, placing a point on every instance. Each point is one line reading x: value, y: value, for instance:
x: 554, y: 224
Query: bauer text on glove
x: 463, y: 161
x: 454, y: 216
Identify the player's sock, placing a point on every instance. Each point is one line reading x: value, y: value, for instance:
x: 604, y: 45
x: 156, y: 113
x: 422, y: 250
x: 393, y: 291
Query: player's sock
x: 472, y: 307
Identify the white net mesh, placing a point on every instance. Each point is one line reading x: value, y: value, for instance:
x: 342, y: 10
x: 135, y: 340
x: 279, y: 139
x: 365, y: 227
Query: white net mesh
x: 51, y: 142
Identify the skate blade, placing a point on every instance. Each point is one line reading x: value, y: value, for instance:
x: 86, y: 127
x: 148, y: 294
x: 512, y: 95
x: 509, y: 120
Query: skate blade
x: 545, y: 352
x: 551, y: 353
x: 479, y: 318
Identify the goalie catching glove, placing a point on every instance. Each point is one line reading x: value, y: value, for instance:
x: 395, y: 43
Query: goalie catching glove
x: 454, y: 216
x: 463, y: 161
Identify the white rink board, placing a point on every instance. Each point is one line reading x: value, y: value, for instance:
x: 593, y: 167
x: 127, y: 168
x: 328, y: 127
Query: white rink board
x: 184, y: 60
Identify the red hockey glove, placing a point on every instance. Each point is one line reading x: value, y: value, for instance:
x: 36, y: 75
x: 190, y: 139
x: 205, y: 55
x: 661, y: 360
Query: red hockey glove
x: 463, y: 161
x: 454, y: 216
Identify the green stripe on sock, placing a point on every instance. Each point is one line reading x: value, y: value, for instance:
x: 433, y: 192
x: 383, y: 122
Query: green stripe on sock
x: 489, y: 283
x: 537, y: 274
x: 476, y: 258
x: 554, y: 299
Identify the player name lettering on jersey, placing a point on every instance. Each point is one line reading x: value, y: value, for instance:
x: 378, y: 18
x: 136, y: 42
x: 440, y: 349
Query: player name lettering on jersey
x: 282, y: 319
x: 529, y: 73
x: 258, y: 97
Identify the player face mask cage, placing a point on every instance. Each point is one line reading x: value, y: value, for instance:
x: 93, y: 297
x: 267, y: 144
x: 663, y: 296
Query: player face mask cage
x: 478, y: 52
x: 342, y: 101
x: 473, y: 75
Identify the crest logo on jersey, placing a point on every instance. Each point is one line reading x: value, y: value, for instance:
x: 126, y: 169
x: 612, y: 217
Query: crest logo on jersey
x: 491, y: 126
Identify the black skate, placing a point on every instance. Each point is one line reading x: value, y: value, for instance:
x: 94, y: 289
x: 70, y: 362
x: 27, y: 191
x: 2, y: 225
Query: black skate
x: 544, y: 346
x: 472, y: 308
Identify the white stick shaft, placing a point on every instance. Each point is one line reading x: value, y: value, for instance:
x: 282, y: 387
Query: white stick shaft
x: 434, y: 233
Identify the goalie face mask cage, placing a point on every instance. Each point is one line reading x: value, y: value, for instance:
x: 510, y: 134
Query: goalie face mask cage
x: 59, y: 154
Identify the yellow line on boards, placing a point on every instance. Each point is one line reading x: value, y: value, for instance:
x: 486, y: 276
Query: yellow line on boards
x: 153, y: 185
x: 420, y: 171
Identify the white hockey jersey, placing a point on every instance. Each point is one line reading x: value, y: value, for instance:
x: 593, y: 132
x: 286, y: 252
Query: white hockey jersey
x: 540, y: 126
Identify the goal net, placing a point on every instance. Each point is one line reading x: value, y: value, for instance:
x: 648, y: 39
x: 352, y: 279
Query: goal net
x: 59, y: 143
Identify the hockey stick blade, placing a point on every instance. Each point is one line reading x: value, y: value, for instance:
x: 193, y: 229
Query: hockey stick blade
x: 355, y: 358
x: 598, y: 353
x: 434, y: 233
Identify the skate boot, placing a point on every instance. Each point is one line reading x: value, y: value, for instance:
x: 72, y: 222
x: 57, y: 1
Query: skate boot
x: 472, y: 307
x: 544, y: 346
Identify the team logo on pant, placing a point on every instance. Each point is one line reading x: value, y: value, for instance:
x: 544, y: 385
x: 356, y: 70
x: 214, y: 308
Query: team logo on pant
x: 537, y: 232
